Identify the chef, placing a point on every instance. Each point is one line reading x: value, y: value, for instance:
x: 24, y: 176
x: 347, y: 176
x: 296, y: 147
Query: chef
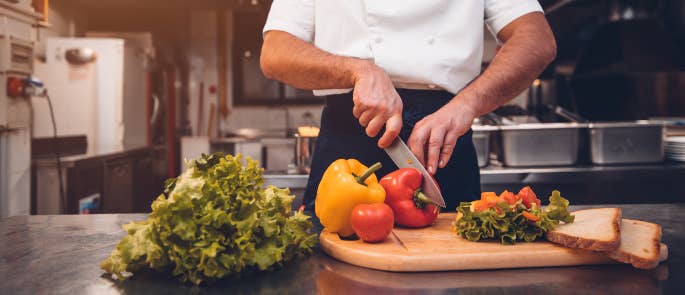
x: 406, y: 68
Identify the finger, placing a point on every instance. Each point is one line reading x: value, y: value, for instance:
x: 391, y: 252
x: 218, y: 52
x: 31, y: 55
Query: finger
x: 365, y: 118
x: 375, y: 126
x: 447, y: 148
x: 437, y: 137
x: 357, y: 111
x: 392, y: 130
x: 417, y: 141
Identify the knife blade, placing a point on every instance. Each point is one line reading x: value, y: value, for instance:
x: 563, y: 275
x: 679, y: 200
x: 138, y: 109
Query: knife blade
x: 404, y: 158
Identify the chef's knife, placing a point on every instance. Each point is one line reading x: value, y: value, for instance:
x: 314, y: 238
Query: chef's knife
x: 404, y: 158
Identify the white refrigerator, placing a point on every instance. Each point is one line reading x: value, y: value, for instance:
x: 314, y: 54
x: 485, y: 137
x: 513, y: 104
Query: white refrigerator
x: 105, y: 99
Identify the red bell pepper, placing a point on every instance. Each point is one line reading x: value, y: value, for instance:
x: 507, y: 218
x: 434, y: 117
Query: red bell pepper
x: 403, y: 194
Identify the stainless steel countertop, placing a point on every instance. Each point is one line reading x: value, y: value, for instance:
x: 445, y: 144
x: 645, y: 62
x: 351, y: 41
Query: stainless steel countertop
x: 61, y: 254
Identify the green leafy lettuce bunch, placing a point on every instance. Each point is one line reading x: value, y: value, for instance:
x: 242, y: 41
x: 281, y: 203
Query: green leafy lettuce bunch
x: 508, y: 223
x: 214, y: 220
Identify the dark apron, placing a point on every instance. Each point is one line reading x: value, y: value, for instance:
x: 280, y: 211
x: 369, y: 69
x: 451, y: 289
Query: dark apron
x: 342, y: 136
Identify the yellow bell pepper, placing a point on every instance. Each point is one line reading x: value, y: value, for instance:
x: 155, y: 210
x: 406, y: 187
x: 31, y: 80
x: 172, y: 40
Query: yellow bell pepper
x: 344, y: 184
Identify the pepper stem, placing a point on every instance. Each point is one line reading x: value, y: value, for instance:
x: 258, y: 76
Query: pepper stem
x: 368, y: 172
x: 421, y: 200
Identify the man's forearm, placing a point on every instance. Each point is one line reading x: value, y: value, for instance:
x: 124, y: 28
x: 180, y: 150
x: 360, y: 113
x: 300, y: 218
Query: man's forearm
x: 528, y: 48
x: 300, y: 64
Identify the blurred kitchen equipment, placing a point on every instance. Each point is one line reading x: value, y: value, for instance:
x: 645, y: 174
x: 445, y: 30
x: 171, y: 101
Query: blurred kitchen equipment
x: 541, y: 94
x: 254, y: 133
x: 541, y: 144
x: 629, y: 71
x: 675, y: 148
x: 568, y: 115
x: 278, y: 152
x: 304, y: 149
x: 200, y: 108
x: 626, y: 142
x: 481, y: 141
x: 210, y: 122
x: 621, y: 142
x: 80, y: 55
x: 105, y: 99
x: 499, y: 120
x: 305, y: 142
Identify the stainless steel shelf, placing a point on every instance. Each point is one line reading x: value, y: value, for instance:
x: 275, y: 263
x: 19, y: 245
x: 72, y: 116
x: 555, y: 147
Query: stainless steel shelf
x: 503, y: 175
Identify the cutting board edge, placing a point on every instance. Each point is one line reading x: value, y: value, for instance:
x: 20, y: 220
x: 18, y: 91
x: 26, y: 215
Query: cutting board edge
x: 407, y: 263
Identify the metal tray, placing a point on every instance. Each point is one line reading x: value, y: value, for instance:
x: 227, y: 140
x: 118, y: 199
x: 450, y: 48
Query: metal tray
x: 543, y: 144
x: 481, y: 140
x: 626, y: 142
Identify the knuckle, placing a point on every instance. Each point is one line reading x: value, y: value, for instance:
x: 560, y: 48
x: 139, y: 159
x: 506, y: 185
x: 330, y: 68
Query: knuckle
x: 392, y: 132
x: 446, y: 151
x: 393, y: 128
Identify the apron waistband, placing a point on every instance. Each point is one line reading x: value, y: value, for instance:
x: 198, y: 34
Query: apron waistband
x: 417, y: 86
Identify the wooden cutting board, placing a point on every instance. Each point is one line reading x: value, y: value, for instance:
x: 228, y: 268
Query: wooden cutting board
x: 438, y: 248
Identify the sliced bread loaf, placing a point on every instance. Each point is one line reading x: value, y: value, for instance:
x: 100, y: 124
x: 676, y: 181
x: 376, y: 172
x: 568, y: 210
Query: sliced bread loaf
x: 640, y: 244
x: 592, y: 229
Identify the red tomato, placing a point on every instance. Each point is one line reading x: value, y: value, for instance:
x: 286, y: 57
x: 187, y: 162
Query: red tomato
x: 509, y: 197
x: 528, y: 197
x: 372, y: 222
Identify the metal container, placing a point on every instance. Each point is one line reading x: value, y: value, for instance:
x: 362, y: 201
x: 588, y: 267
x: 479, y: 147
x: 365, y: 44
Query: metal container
x: 542, y: 144
x: 626, y: 142
x: 304, y: 149
x: 481, y: 140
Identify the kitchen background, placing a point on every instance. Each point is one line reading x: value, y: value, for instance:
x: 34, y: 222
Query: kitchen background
x: 138, y: 86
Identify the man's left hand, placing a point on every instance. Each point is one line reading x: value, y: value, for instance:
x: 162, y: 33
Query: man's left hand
x: 434, y: 137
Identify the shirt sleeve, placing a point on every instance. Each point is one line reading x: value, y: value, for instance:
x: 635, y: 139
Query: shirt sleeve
x: 499, y: 13
x: 293, y: 16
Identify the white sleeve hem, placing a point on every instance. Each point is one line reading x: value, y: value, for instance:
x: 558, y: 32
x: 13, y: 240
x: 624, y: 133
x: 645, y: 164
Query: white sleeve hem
x: 501, y: 19
x: 288, y: 27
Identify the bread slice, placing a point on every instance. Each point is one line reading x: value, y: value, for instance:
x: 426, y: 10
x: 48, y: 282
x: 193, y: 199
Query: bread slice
x: 663, y: 252
x: 592, y: 229
x: 640, y: 244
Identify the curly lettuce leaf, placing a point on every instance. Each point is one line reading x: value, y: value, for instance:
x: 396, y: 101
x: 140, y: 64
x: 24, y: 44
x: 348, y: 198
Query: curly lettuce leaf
x: 507, y: 222
x: 214, y: 220
x: 558, y: 208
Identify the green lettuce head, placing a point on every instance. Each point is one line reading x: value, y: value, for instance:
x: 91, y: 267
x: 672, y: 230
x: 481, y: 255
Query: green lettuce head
x: 214, y: 220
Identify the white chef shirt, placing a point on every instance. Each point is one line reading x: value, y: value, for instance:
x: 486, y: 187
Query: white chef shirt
x: 437, y: 43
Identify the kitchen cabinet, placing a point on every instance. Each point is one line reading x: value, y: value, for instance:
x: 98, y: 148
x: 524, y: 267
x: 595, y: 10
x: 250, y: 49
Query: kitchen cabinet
x: 83, y: 180
x: 123, y: 181
x: 117, y: 196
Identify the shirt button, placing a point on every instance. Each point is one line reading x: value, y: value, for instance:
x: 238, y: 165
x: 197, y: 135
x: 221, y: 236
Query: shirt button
x: 432, y: 86
x: 379, y: 39
x: 431, y: 40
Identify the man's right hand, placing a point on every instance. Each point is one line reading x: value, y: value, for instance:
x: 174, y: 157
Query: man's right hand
x: 301, y: 64
x: 376, y: 103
